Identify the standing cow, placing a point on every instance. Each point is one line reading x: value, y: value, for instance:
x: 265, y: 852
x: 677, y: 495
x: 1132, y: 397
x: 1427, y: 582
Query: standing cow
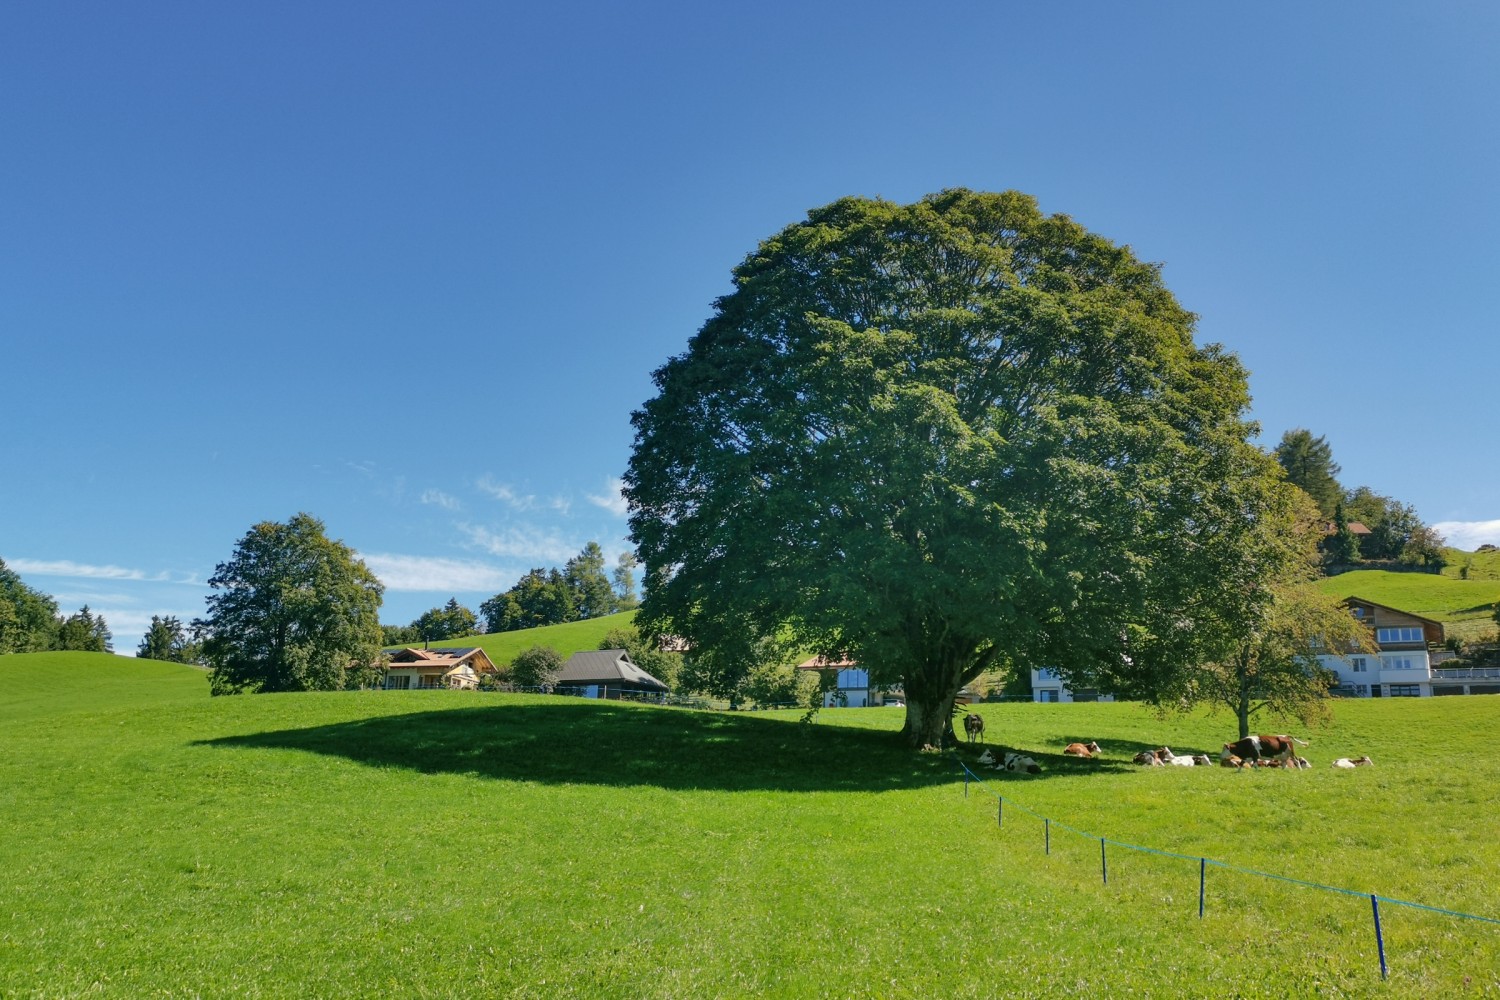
x: 1254, y: 749
x: 974, y: 727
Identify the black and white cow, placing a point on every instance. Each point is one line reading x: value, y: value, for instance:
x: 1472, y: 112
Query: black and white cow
x: 1018, y: 763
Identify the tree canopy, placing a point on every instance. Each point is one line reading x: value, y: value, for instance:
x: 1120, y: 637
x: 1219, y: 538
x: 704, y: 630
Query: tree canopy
x: 28, y: 617
x: 1309, y: 465
x: 937, y: 438
x: 168, y: 640
x: 293, y: 610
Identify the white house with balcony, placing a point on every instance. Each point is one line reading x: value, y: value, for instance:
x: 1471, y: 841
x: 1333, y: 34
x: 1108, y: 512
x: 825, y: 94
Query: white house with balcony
x: 1047, y: 685
x: 1406, y: 661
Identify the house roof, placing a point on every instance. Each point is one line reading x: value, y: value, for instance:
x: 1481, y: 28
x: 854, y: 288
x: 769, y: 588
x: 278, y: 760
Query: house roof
x: 606, y: 666
x: 1375, y: 604
x: 823, y: 663
x: 443, y: 657
x: 1355, y: 528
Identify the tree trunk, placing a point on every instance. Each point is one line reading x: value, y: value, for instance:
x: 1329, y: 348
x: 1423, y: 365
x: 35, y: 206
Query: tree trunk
x: 929, y: 722
x: 1242, y: 711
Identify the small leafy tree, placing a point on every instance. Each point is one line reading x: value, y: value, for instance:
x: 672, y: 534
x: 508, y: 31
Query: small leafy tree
x: 536, y: 667
x: 293, y: 610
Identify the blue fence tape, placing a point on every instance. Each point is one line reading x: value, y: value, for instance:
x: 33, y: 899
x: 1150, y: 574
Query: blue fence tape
x: 970, y: 775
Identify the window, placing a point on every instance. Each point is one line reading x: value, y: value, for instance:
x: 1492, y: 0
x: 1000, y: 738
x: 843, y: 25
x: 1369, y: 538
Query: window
x: 1047, y: 694
x: 1359, y: 664
x: 1046, y: 674
x: 394, y: 682
x: 1361, y: 690
x: 1384, y: 635
x: 1405, y: 691
x: 1398, y: 663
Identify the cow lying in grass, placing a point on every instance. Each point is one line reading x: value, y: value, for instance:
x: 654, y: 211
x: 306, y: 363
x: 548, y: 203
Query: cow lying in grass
x: 1090, y: 749
x: 1356, y: 762
x: 1148, y: 758
x: 1017, y: 763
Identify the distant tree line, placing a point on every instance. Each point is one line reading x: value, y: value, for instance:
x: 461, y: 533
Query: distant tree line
x: 30, y: 621
x: 581, y: 589
x: 1396, y: 533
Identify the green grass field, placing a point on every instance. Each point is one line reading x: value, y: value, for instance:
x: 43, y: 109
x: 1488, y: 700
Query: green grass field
x: 435, y: 844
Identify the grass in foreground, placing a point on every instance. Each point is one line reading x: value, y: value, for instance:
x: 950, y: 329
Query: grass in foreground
x: 444, y: 843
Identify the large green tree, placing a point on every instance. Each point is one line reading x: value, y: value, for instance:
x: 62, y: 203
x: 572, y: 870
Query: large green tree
x: 937, y: 438
x: 293, y: 610
x: 1309, y: 464
x: 28, y: 617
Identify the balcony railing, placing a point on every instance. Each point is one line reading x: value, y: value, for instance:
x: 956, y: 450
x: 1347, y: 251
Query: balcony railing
x: 1465, y: 673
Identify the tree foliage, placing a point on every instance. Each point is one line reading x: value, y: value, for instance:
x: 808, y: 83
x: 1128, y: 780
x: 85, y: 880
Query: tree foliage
x: 536, y: 667
x: 450, y: 621
x: 292, y: 611
x: 1342, y: 547
x: 1309, y: 465
x: 168, y: 640
x: 28, y: 617
x: 936, y: 438
x: 551, y: 597
x: 86, y: 632
x: 593, y: 597
x: 1260, y: 636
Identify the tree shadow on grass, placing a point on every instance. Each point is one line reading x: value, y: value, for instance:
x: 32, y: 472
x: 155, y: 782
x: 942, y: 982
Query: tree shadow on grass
x: 602, y: 743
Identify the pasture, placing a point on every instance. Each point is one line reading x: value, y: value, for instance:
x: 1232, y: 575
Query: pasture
x: 1465, y: 607
x: 428, y: 843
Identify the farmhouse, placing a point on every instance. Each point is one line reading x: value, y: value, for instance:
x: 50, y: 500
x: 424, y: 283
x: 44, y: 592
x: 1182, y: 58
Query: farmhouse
x: 1407, y: 661
x: 607, y: 673
x: 445, y: 667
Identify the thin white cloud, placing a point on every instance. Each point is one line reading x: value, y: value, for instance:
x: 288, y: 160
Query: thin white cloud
x: 68, y: 568
x: 504, y: 493
x: 429, y: 573
x: 440, y: 499
x: 1469, y: 535
x: 526, y: 544
x: 614, y: 500
x: 560, y: 504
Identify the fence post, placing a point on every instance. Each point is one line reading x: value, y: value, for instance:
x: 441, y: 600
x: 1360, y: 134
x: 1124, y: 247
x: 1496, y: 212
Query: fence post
x: 1103, y: 863
x: 1379, y: 940
x: 1202, y: 880
x: 1000, y: 812
x: 966, y: 782
x: 1047, y: 832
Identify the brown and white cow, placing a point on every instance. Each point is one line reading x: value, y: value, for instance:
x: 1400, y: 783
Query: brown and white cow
x: 1090, y: 749
x: 1280, y: 749
x: 1148, y: 758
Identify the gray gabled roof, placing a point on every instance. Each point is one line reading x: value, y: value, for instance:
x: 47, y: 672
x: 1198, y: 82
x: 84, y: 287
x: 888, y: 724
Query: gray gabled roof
x: 606, y: 666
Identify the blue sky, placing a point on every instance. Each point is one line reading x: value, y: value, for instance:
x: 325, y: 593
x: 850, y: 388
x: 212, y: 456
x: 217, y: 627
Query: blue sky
x: 409, y: 267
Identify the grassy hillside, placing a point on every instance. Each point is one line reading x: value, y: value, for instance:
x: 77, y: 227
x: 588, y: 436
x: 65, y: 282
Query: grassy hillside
x: 1480, y: 565
x: 159, y: 842
x: 1465, y: 606
x: 502, y: 647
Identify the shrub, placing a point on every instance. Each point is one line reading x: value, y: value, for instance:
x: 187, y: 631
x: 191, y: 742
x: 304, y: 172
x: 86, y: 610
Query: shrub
x: 536, y: 667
